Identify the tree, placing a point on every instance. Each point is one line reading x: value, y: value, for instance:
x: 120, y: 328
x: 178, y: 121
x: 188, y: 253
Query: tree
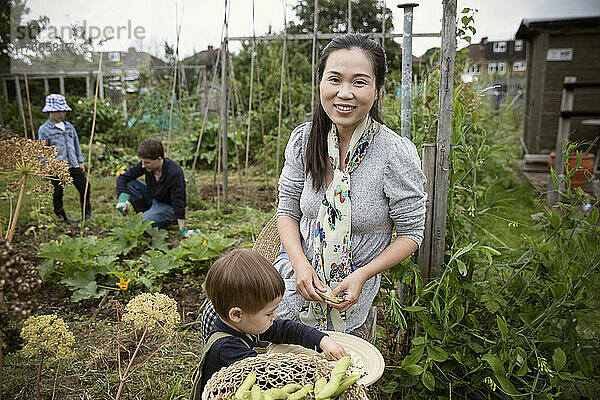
x: 367, y: 16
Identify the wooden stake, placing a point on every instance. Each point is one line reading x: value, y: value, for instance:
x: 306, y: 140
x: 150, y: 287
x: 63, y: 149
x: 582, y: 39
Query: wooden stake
x: 233, y: 123
x: 205, y: 116
x: 87, y: 184
x: 446, y: 97
x: 174, y: 80
x: 262, y: 121
x: 283, y: 52
x: 252, y: 59
x: 20, y: 103
x: 314, y: 57
x: 29, y: 106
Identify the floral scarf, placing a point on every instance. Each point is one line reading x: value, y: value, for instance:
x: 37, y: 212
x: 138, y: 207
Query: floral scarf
x: 332, y: 248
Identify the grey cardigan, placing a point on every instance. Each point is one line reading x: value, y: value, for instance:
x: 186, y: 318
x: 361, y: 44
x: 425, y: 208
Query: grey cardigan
x: 386, y: 192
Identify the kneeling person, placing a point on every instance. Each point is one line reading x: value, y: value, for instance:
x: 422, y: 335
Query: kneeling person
x: 162, y: 199
x: 246, y: 289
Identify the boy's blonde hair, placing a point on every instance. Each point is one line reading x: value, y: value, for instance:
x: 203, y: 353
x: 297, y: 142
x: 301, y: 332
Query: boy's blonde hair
x: 245, y: 279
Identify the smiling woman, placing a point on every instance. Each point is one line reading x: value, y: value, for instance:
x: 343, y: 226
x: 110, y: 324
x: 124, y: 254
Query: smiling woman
x: 348, y: 181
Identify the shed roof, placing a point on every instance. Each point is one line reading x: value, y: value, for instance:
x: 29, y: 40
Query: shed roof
x: 531, y: 26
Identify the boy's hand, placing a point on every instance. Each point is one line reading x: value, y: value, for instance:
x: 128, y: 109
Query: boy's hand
x: 331, y: 349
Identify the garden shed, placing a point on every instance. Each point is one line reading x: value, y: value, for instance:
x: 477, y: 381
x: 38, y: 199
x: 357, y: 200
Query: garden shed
x: 558, y: 48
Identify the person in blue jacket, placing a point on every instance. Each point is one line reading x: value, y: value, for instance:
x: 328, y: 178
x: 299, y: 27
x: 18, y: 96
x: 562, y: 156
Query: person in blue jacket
x: 62, y: 134
x: 162, y: 199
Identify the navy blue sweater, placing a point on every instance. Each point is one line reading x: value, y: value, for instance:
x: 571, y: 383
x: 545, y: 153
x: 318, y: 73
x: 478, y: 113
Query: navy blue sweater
x: 170, y: 188
x: 230, y: 349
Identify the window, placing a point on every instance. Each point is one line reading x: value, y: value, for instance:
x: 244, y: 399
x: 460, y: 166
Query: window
x: 519, y: 66
x: 492, y: 68
x: 501, y: 67
x: 114, y: 56
x: 474, y: 69
x: 518, y: 45
x: 499, y: 47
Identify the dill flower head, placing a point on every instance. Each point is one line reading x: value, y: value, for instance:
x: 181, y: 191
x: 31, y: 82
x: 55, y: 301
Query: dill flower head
x: 28, y: 157
x: 49, y: 333
x: 148, y: 310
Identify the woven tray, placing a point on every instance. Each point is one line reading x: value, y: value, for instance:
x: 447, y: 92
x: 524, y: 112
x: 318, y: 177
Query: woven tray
x: 274, y: 370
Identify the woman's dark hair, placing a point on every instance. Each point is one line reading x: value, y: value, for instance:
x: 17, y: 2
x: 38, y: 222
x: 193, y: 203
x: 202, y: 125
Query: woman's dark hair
x: 316, y: 151
x: 151, y: 149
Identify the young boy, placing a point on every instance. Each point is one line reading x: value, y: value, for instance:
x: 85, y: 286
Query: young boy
x: 62, y: 134
x: 245, y: 290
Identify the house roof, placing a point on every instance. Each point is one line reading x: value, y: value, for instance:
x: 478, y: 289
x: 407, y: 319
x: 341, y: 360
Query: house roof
x: 532, y: 26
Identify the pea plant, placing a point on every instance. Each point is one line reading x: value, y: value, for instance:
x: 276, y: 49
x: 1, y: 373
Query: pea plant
x: 500, y: 321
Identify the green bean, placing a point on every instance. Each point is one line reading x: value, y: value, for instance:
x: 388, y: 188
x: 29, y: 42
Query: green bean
x: 319, y: 384
x: 302, y: 393
x: 332, y: 299
x: 246, y: 384
x: 256, y: 393
x: 341, y: 366
x: 275, y: 394
x: 330, y: 388
x: 245, y: 395
x: 291, y: 387
x: 345, y: 384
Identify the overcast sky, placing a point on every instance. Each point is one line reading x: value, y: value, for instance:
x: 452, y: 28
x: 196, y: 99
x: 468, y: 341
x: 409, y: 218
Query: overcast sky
x: 202, y: 20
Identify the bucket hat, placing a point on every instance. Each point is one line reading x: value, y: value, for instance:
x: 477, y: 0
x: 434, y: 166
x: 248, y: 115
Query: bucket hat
x: 56, y: 102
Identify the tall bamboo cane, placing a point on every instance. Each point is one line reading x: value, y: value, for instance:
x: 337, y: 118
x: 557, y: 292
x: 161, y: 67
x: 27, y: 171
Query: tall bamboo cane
x: 87, y: 183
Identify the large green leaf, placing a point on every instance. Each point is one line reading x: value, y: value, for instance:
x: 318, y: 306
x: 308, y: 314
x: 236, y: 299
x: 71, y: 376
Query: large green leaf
x: 502, y: 326
x: 428, y: 380
x: 413, y: 369
x: 437, y: 353
x: 507, y: 385
x: 87, y: 292
x: 495, y: 364
x: 559, y: 358
x: 45, y: 268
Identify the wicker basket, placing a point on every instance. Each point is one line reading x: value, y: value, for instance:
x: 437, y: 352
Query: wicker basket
x: 274, y: 370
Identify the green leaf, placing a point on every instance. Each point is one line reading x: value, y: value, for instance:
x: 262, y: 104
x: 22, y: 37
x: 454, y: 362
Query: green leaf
x: 594, y: 215
x: 419, y: 340
x: 462, y: 267
x: 437, y: 353
x: 414, y: 356
x: 86, y: 292
x: 414, y: 308
x: 554, y: 177
x: 45, y: 268
x: 461, y: 251
x: 522, y: 369
x: 492, y: 250
x: 158, y: 238
x: 413, y: 369
x: 502, y: 326
x: 80, y: 279
x: 526, y: 319
x: 559, y: 358
x: 428, y: 380
x: 490, y: 195
x: 507, y: 385
x: 495, y: 364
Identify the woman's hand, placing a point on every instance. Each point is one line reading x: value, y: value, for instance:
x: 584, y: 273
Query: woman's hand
x: 306, y: 281
x: 351, y: 286
x: 331, y: 349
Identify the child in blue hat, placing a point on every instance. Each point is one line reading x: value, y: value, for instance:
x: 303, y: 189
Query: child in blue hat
x: 62, y: 134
